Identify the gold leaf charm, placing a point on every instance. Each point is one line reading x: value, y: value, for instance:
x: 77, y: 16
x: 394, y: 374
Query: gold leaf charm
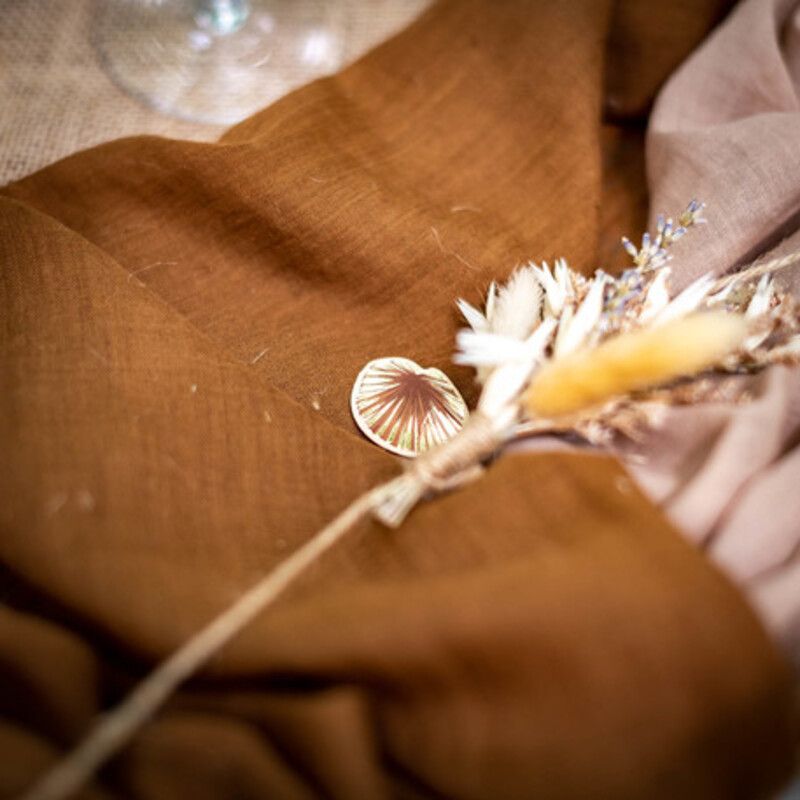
x: 406, y: 409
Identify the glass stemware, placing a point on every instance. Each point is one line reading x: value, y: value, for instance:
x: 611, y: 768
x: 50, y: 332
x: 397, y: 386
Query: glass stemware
x: 217, y: 61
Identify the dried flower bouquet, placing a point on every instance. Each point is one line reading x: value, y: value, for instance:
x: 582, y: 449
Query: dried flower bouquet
x: 604, y: 355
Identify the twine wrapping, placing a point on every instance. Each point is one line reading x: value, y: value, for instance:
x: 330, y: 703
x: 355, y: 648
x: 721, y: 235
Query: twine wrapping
x: 452, y: 464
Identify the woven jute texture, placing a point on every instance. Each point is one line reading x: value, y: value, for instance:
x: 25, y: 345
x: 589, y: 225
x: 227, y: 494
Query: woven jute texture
x: 56, y: 98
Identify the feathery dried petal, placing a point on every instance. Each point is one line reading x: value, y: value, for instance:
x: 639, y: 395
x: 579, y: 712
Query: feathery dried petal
x: 758, y: 306
x: 555, y: 294
x: 657, y: 297
x: 476, y: 320
x: 564, y: 277
x: 687, y: 301
x: 485, y: 349
x: 518, y: 305
x: 491, y: 299
x: 505, y: 384
x: 564, y: 321
x: 578, y: 328
x: 762, y: 298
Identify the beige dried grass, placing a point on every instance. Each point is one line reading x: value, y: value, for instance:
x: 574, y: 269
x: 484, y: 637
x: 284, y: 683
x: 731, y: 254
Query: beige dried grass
x: 633, y: 361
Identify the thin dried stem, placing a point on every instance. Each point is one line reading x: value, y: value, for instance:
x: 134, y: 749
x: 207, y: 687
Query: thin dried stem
x: 756, y: 270
x: 121, y: 723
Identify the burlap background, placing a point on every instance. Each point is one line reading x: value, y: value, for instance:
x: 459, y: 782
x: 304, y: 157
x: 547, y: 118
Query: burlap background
x: 56, y: 98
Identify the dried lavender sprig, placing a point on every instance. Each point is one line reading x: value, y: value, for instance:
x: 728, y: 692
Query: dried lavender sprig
x: 653, y: 251
x: 693, y: 215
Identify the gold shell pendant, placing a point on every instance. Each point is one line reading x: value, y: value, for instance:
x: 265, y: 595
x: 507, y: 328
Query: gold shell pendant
x: 406, y: 409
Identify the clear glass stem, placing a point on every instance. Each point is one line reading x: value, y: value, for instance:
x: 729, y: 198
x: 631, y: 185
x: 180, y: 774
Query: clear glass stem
x: 222, y: 17
x: 217, y: 61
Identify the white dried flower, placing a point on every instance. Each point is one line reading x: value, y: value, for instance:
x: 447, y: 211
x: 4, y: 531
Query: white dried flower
x: 687, y: 301
x: 759, y: 306
x: 576, y: 331
x: 657, y: 297
x: 557, y: 288
x: 476, y: 319
x: 762, y: 298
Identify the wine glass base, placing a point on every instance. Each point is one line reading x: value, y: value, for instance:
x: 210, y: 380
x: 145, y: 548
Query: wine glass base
x: 178, y: 59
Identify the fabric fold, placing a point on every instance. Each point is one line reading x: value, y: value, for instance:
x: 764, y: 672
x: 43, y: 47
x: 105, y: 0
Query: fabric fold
x: 726, y: 128
x: 181, y: 326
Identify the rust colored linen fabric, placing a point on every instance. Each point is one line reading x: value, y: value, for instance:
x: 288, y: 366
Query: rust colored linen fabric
x: 181, y: 326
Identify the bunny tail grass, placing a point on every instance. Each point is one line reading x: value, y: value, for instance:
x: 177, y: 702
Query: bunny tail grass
x: 633, y: 361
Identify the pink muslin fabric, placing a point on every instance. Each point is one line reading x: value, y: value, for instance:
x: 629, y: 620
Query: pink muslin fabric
x: 726, y: 128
